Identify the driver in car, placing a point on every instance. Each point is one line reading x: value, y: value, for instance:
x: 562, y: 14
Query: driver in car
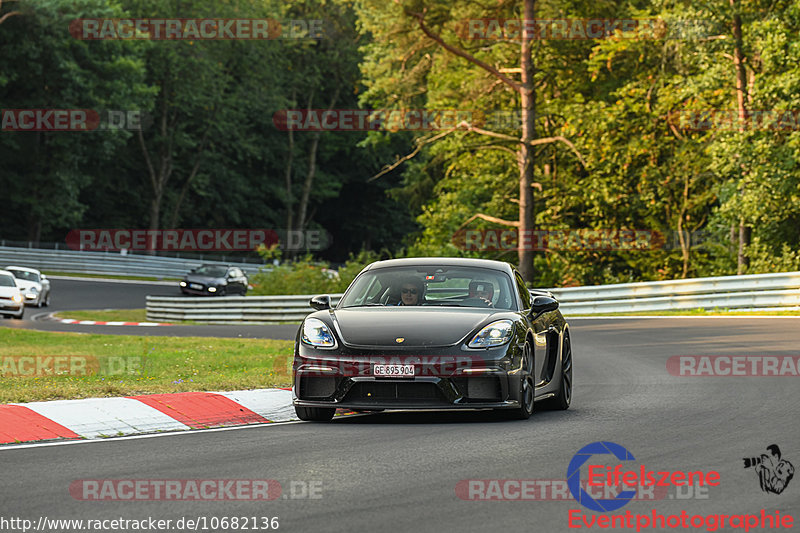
x: 483, y: 290
x: 411, y: 292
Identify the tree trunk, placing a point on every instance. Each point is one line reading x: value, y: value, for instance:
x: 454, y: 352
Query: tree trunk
x: 288, y: 179
x: 302, y: 209
x: 685, y: 243
x: 525, y: 154
x: 308, y: 182
x: 158, y: 177
x: 288, y: 175
x: 742, y: 261
x: 34, y: 229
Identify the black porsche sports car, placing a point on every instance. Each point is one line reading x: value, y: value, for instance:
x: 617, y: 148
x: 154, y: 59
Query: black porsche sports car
x: 433, y: 333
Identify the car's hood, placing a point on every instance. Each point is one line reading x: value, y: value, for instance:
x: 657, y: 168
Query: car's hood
x: 418, y: 326
x: 206, y: 280
x: 8, y: 292
x: 24, y: 284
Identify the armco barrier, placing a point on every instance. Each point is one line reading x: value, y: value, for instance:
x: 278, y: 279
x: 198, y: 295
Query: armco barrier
x: 767, y: 291
x: 109, y: 263
x: 231, y: 309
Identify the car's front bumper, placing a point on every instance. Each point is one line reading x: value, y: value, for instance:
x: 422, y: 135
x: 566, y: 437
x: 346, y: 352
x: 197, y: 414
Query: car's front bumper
x: 468, y: 380
x: 200, y: 292
x: 32, y: 298
x: 376, y: 406
x: 9, y: 307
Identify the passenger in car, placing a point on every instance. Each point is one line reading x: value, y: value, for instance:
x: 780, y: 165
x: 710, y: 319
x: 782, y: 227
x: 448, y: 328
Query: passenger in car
x: 481, y: 289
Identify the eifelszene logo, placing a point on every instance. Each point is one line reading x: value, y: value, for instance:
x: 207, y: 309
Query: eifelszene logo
x: 606, y: 476
x: 774, y: 473
x: 574, y: 476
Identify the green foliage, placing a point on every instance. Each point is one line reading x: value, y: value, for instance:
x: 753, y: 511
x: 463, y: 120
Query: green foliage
x: 224, y: 163
x: 305, y: 275
x: 617, y: 101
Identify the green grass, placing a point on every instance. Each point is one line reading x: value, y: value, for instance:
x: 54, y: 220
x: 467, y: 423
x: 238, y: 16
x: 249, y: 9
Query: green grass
x: 700, y: 312
x: 105, y: 276
x: 122, y: 365
x: 106, y: 315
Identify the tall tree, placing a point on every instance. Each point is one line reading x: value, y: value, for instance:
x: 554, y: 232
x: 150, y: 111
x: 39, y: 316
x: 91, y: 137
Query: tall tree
x: 396, y: 30
x: 44, y: 67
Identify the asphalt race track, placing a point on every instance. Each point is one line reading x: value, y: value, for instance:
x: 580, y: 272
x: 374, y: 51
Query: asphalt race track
x: 399, y: 471
x: 69, y: 294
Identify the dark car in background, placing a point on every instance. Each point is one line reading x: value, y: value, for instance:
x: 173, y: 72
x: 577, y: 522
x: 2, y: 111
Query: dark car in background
x: 433, y: 333
x: 215, y: 280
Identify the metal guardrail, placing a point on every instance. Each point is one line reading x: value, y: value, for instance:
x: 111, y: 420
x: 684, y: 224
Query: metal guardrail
x: 766, y: 291
x: 231, y: 309
x: 726, y: 292
x: 108, y: 263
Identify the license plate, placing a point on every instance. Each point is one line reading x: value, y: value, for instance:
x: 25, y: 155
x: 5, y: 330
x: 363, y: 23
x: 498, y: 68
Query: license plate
x: 393, y: 371
x: 195, y: 286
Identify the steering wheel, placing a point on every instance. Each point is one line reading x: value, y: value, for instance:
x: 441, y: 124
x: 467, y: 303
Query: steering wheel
x: 474, y: 301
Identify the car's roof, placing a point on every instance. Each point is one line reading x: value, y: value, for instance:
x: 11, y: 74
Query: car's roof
x: 442, y: 261
x: 24, y: 269
x: 6, y: 273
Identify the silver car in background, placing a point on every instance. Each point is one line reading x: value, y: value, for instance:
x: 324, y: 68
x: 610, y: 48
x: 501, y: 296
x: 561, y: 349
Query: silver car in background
x: 12, y: 303
x: 34, y: 285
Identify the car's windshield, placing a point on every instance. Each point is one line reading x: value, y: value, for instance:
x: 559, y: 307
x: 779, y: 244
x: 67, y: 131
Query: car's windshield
x: 212, y: 271
x: 24, y: 274
x: 432, y: 286
x: 7, y: 281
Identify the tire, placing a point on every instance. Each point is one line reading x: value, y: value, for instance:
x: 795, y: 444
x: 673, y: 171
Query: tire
x: 527, y: 388
x: 47, y: 300
x: 315, y: 414
x: 21, y: 314
x: 562, y: 399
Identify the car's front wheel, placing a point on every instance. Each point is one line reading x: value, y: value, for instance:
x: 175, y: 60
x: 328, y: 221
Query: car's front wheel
x: 315, y: 414
x: 526, y: 387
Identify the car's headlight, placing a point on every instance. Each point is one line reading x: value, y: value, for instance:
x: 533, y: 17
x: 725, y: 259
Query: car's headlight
x: 182, y: 283
x: 316, y: 333
x: 495, y: 334
x: 17, y: 298
x: 212, y: 289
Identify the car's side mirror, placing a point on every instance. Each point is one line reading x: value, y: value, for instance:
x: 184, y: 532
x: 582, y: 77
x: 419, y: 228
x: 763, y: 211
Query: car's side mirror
x: 543, y: 304
x: 320, y: 303
x: 43, y: 276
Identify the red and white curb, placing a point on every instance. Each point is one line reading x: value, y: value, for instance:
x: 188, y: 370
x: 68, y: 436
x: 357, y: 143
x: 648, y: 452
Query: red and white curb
x: 94, y: 418
x: 112, y: 323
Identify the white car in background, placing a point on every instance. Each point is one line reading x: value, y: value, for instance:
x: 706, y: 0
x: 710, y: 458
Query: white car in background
x: 12, y: 304
x: 34, y: 285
